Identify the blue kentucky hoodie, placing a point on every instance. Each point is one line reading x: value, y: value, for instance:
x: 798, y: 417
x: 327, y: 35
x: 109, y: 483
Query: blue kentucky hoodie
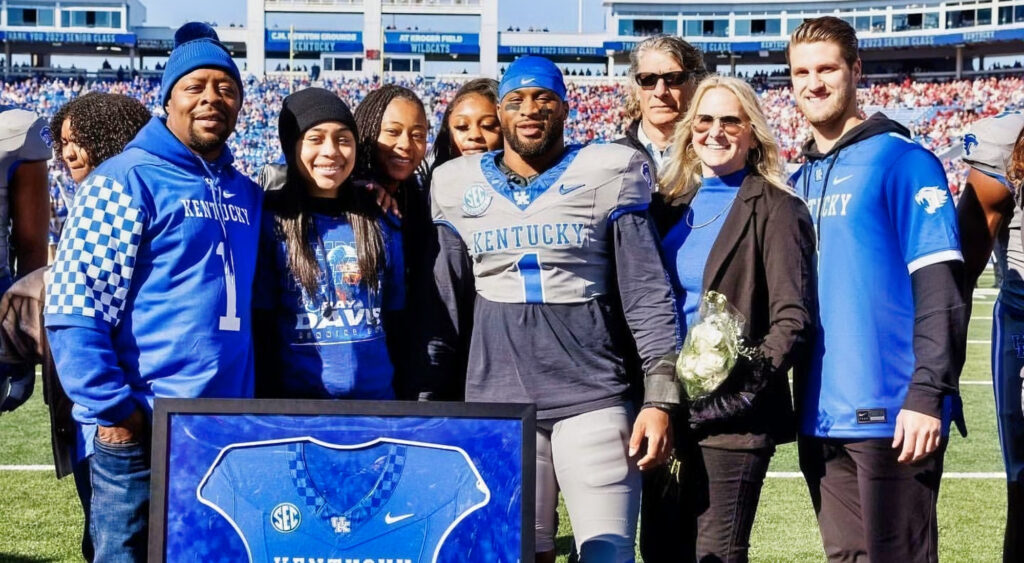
x: 151, y: 288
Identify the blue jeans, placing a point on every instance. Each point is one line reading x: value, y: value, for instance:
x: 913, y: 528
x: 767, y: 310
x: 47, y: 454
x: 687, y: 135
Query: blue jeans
x: 120, y: 501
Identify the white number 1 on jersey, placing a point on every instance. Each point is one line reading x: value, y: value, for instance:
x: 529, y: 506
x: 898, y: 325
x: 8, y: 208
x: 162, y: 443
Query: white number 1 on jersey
x: 230, y: 320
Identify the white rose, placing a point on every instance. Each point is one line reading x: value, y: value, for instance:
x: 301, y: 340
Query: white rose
x: 706, y: 337
x: 687, y: 366
x: 711, y: 367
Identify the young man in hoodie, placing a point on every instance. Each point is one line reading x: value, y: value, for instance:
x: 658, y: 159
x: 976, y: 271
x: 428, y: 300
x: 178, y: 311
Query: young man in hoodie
x: 876, y: 407
x: 150, y: 293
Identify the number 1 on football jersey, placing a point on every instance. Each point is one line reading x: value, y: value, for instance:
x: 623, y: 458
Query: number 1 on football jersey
x: 529, y: 270
x: 229, y: 321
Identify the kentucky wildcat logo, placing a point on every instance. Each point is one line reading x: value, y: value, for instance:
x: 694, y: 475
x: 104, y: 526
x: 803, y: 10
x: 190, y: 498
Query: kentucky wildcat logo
x: 970, y: 141
x: 931, y: 198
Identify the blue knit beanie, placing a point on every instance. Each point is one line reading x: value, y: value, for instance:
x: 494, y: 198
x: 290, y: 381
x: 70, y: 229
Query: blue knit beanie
x: 532, y: 72
x: 196, y: 45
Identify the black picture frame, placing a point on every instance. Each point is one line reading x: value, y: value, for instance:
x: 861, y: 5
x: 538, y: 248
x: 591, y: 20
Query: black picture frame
x: 260, y: 414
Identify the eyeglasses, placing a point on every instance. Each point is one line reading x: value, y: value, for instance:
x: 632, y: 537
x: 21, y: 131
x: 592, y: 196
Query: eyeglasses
x: 649, y: 80
x: 729, y: 123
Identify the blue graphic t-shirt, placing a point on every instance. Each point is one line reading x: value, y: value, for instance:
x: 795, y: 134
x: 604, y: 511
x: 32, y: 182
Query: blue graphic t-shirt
x: 388, y: 499
x: 332, y: 345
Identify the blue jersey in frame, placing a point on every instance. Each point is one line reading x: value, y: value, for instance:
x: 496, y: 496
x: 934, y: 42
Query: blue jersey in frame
x: 307, y: 499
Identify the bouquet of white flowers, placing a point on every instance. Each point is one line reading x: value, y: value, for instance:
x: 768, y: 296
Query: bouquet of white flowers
x: 712, y: 346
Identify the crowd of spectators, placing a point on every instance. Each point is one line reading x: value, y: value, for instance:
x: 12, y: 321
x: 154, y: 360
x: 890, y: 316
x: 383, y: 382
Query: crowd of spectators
x: 597, y: 108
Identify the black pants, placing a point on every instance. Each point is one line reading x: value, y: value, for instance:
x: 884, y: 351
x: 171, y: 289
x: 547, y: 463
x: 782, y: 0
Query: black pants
x: 711, y: 517
x: 869, y: 506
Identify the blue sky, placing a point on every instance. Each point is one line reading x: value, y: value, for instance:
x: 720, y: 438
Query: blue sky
x: 557, y: 15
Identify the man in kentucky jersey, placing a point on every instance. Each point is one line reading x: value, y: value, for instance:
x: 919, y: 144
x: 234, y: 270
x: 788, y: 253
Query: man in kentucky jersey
x: 546, y: 264
x: 151, y: 287
x: 304, y: 499
x: 24, y: 216
x: 986, y: 207
x: 876, y: 407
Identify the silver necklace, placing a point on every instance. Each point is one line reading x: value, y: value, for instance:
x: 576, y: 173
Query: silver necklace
x: 688, y: 218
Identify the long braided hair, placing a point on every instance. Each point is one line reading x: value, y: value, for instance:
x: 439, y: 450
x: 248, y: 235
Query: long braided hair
x: 369, y: 115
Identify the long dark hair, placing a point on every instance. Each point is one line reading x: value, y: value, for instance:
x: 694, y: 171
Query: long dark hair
x: 294, y: 208
x: 486, y: 87
x: 369, y: 115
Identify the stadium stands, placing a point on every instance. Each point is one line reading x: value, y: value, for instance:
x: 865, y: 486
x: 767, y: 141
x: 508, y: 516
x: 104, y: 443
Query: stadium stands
x: 936, y: 112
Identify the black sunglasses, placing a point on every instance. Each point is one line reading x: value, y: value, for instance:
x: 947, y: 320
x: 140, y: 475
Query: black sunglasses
x: 648, y: 80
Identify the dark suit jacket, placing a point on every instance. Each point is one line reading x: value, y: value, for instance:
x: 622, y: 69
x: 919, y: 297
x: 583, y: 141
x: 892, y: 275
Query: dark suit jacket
x: 764, y: 262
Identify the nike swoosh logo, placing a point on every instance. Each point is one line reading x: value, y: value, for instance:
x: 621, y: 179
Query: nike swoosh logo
x: 228, y: 195
x: 527, y: 81
x: 389, y: 519
x: 843, y: 179
x: 563, y: 189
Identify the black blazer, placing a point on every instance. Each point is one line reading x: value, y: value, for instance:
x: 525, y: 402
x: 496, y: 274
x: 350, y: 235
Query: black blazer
x: 764, y: 262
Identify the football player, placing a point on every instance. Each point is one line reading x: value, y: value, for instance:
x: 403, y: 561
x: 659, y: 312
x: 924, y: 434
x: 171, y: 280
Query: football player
x: 986, y: 207
x: 546, y: 263
x: 24, y: 221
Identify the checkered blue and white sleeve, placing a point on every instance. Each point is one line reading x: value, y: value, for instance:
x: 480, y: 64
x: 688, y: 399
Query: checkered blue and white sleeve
x: 96, y: 256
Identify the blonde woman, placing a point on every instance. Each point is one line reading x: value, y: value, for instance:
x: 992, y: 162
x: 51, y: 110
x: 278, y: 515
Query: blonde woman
x: 728, y: 223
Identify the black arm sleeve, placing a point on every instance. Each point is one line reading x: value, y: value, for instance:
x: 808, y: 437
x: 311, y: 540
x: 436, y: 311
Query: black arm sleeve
x: 647, y: 303
x: 940, y: 336
x: 447, y: 316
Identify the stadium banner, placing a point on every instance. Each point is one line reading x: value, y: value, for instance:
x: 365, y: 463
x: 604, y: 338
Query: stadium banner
x: 288, y: 481
x: 891, y: 41
x: 551, y: 50
x: 431, y: 43
x: 280, y: 41
x: 121, y: 39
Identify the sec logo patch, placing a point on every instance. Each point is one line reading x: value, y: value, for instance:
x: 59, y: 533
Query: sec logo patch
x: 476, y: 200
x: 285, y: 517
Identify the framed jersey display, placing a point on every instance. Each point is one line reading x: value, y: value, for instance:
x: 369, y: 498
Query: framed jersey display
x: 302, y: 481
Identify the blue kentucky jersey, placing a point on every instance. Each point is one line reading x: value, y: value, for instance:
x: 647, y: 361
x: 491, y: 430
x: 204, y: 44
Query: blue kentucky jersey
x: 332, y: 344
x: 387, y: 499
x: 882, y: 210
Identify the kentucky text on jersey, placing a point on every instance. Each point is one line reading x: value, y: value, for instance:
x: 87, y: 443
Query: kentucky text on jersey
x: 832, y: 205
x: 546, y: 235
x: 212, y: 210
x: 339, y: 560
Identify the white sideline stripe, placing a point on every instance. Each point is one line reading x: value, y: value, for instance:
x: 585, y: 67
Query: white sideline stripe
x: 986, y: 342
x: 986, y: 291
x: 27, y: 468
x: 946, y: 475
x: 976, y: 383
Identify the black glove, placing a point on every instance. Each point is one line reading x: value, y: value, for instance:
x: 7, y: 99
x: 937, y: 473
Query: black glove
x: 16, y: 386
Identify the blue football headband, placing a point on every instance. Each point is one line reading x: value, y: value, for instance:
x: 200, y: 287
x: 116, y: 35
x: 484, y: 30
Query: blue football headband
x: 532, y: 72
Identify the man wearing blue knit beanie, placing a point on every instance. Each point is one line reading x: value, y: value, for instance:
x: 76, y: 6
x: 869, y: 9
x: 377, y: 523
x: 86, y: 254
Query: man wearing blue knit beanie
x: 564, y: 269
x: 151, y: 286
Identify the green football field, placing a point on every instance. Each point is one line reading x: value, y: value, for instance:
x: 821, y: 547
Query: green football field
x: 40, y: 519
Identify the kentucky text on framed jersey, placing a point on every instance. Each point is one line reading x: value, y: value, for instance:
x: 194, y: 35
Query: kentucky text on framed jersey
x: 341, y: 481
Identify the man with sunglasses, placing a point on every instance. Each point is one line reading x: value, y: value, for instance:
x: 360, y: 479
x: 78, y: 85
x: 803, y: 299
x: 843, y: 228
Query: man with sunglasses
x: 876, y: 405
x: 664, y: 71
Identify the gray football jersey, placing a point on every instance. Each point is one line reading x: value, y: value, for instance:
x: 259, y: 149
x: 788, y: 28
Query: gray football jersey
x: 24, y: 137
x: 548, y: 242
